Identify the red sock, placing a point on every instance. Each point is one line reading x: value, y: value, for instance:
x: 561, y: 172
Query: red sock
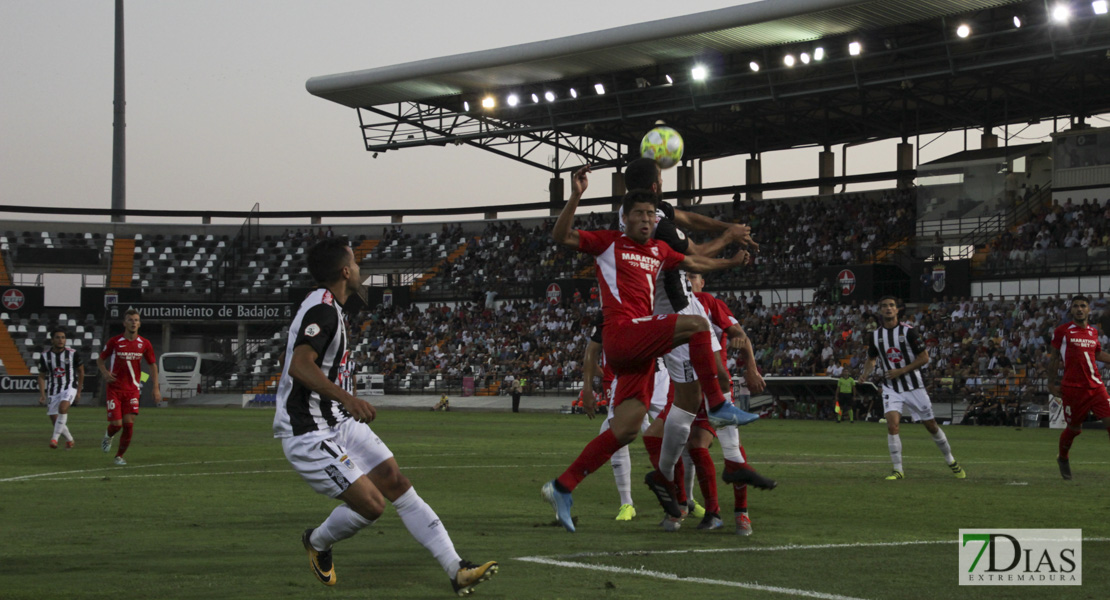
x: 705, y: 365
x: 680, y: 483
x: 595, y: 454
x: 1066, y: 438
x: 707, y: 478
x: 125, y: 438
x: 654, y: 446
x: 739, y: 492
x: 112, y: 429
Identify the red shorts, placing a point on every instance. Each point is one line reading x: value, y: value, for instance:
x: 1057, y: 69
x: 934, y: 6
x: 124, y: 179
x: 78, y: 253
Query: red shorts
x: 631, y: 348
x: 700, y: 419
x: 122, y: 402
x: 1080, y: 401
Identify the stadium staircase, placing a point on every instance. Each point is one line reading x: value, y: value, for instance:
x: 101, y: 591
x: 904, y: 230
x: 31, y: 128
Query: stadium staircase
x: 10, y: 355
x: 365, y: 247
x: 984, y: 236
x: 886, y: 253
x: 430, y: 273
x: 490, y: 390
x: 123, y: 263
x: 5, y: 277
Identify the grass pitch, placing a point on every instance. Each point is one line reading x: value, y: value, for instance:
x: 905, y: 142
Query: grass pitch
x: 209, y: 508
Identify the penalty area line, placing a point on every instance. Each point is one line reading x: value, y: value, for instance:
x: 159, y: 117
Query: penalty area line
x: 678, y: 578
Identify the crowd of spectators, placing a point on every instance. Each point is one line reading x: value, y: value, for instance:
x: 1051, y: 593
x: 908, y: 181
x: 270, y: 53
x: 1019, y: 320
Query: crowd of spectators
x: 984, y: 351
x: 1072, y: 232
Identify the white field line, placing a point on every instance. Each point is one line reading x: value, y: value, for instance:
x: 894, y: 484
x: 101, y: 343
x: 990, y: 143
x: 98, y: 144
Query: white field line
x: 676, y: 577
x: 561, y: 561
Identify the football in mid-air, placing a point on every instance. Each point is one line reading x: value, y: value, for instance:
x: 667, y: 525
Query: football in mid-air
x: 663, y: 145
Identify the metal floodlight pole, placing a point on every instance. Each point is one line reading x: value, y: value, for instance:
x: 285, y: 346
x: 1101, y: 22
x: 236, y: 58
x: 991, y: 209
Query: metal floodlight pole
x: 119, y: 181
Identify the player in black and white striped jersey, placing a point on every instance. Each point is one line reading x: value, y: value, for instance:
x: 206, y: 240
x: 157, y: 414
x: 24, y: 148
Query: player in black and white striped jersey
x: 900, y: 354
x: 61, y: 376
x: 323, y: 428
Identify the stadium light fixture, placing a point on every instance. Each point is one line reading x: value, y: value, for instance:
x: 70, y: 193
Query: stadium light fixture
x: 788, y: 60
x: 805, y: 58
x: 573, y: 93
x: 669, y: 80
x: 819, y: 53
x: 512, y: 100
x: 549, y: 96
x: 754, y: 66
x: 535, y: 99
x: 1017, y: 22
x: 963, y: 30
x: 489, y: 102
x: 599, y: 88
x: 1101, y: 7
x: 1061, y: 13
x: 699, y: 73
x: 466, y: 106
x: 855, y: 48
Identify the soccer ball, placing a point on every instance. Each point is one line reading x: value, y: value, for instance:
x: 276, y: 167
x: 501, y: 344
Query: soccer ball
x: 663, y: 145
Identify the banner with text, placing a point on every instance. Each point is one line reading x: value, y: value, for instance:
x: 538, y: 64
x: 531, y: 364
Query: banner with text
x: 201, y: 311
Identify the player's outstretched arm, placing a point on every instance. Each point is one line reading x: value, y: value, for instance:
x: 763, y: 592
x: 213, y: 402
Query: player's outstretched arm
x: 302, y: 367
x: 703, y: 264
x: 563, y: 232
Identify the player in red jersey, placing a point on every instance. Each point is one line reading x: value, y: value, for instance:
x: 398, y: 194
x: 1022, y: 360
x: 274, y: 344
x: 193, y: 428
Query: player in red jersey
x: 1076, y: 345
x: 120, y: 365
x: 627, y: 265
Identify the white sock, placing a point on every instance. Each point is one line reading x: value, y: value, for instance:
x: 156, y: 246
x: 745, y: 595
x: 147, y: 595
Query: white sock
x: 59, y: 427
x: 425, y: 526
x: 342, y: 523
x: 894, y: 443
x: 675, y: 433
x: 690, y: 471
x: 66, y: 434
x: 730, y: 443
x: 622, y: 473
x: 942, y: 443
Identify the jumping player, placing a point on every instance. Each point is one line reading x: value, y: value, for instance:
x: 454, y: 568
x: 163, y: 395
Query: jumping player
x: 66, y: 375
x: 1082, y: 389
x: 627, y: 267
x: 123, y: 371
x: 323, y: 431
x: 902, y: 354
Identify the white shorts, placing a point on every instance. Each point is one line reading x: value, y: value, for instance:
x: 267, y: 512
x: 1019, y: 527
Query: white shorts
x: 332, y: 459
x: 678, y: 359
x: 55, y: 401
x: 916, y: 400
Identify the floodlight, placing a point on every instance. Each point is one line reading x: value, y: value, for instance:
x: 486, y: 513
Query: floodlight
x: 855, y: 48
x: 1100, y: 7
x: 669, y: 80
x: 699, y: 73
x: 535, y: 99
x: 549, y: 96
x: 788, y: 60
x: 818, y: 53
x: 1061, y: 13
x: 466, y: 106
x: 513, y: 100
x: 489, y: 102
x: 599, y: 88
x: 805, y: 58
x: 573, y: 93
x: 1017, y: 22
x: 754, y: 66
x: 963, y: 30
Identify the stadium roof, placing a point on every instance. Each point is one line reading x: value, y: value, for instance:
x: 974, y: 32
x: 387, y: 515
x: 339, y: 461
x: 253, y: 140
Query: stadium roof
x: 914, y: 75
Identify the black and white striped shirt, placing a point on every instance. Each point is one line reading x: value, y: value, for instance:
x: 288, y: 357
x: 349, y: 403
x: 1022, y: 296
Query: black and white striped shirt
x: 60, y: 370
x: 320, y: 323
x: 894, y: 348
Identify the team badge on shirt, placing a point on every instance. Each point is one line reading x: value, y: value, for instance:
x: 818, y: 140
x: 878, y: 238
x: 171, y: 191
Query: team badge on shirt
x: 312, y: 330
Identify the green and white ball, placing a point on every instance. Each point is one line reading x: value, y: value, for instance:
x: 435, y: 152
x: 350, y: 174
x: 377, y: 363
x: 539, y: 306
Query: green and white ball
x: 663, y: 145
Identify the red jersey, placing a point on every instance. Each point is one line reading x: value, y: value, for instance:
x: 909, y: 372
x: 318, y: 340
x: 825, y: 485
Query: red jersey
x: 1078, y: 347
x: 626, y: 271
x: 123, y: 357
x: 720, y: 316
